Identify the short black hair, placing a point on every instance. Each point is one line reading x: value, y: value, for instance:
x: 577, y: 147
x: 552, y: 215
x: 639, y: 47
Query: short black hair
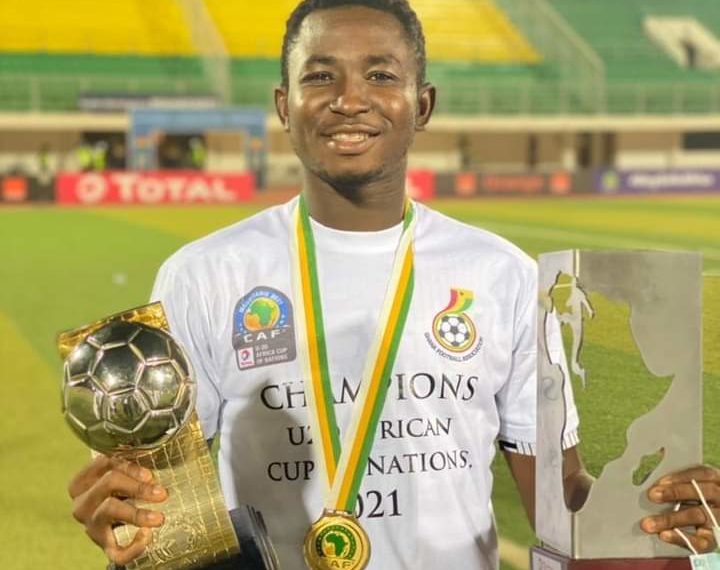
x: 399, y: 8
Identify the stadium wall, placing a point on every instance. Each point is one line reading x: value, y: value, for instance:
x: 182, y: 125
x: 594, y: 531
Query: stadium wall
x: 478, y: 155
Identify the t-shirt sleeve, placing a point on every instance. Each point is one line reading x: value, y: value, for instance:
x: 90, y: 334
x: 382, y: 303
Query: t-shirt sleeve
x: 186, y: 312
x: 517, y: 399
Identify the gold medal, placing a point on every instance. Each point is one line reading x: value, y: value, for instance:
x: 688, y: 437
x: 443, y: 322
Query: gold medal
x: 336, y: 541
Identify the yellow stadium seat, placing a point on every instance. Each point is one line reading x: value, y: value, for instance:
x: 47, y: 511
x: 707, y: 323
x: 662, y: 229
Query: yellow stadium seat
x: 252, y: 29
x: 456, y: 30
x: 122, y: 27
x: 471, y: 30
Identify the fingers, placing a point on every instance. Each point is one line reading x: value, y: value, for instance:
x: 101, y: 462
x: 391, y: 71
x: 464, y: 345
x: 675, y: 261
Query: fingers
x: 664, y: 524
x: 113, y: 511
x: 678, y: 492
x: 114, y: 484
x: 700, y: 473
x: 678, y: 488
x: 702, y: 540
x: 124, y: 555
x: 98, y: 492
x: 86, y: 478
x: 692, y: 516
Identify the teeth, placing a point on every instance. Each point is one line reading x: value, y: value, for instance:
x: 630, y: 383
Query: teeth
x: 350, y: 137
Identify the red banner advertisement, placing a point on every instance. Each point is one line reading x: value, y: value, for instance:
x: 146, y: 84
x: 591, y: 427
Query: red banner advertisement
x: 466, y: 184
x: 513, y: 183
x: 14, y: 189
x: 421, y: 184
x: 469, y: 184
x: 148, y: 188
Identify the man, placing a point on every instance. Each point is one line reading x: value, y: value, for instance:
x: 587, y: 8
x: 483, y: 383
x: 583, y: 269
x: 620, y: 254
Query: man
x: 352, y: 97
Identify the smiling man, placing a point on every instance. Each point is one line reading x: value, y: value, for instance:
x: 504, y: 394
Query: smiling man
x: 358, y: 355
x: 353, y: 95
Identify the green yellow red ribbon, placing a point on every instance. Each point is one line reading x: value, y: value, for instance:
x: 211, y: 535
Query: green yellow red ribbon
x: 344, y: 466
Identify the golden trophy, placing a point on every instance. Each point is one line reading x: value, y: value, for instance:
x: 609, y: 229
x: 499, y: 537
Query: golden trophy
x: 128, y: 391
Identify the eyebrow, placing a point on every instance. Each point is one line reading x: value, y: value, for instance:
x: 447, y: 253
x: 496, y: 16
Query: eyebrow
x: 381, y: 59
x: 319, y: 60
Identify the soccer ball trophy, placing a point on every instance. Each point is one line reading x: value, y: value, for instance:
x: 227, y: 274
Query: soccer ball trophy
x: 128, y: 391
x: 127, y: 387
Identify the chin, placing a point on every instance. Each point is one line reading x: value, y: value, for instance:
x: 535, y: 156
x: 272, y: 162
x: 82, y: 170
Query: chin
x: 351, y: 183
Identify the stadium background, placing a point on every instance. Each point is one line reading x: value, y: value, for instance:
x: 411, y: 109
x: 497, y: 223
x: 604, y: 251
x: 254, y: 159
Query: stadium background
x: 561, y: 123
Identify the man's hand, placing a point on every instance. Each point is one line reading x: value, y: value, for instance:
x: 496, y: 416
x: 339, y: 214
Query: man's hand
x: 98, y: 493
x: 677, y: 488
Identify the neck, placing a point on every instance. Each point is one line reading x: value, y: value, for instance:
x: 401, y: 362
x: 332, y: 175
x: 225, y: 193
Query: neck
x: 373, y: 207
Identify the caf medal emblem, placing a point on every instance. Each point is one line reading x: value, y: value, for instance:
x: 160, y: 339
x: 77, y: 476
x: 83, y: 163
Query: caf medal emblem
x: 336, y: 542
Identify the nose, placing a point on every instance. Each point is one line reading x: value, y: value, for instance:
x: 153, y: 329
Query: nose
x: 351, y: 98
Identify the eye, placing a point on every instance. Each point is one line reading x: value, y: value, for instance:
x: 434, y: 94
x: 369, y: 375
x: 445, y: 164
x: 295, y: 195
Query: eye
x: 381, y: 77
x: 317, y: 77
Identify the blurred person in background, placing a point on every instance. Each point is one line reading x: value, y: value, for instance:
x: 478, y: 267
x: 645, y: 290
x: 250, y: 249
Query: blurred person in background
x: 85, y: 157
x: 100, y: 156
x: 198, y: 153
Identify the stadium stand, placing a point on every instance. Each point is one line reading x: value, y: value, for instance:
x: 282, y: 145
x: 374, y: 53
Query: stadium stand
x: 123, y: 47
x: 85, y: 26
x: 456, y: 30
x: 472, y: 31
x: 251, y: 30
x: 465, y: 38
x: 614, y: 28
x: 120, y: 46
x: 500, y: 57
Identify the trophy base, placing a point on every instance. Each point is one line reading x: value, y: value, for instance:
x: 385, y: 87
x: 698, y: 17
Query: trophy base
x: 256, y: 550
x: 542, y: 558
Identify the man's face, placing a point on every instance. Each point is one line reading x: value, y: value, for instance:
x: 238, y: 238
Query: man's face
x: 352, y: 105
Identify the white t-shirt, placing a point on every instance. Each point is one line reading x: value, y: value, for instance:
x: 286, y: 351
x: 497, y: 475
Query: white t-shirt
x: 464, y: 377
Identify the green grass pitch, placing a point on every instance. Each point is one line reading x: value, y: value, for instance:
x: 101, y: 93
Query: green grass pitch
x: 64, y: 267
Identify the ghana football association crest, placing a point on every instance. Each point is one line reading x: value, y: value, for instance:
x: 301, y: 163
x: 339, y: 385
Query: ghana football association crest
x: 453, y: 334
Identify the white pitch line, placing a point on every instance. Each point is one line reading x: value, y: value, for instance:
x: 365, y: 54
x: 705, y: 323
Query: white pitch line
x: 709, y: 253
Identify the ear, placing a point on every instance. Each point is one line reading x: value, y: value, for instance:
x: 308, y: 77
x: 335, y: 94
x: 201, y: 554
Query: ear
x: 281, y: 107
x: 426, y: 106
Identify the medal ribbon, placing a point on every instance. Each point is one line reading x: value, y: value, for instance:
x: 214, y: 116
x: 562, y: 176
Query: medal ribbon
x: 344, y: 466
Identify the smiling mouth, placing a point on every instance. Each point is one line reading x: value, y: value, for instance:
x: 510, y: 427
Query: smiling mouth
x: 350, y: 137
x: 351, y: 143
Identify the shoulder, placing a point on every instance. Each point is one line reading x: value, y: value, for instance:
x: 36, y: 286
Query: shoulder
x: 263, y: 233
x: 458, y: 241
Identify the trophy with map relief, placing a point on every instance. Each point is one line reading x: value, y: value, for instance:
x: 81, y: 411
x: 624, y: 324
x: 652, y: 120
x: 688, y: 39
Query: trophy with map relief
x: 632, y: 326
x: 128, y: 391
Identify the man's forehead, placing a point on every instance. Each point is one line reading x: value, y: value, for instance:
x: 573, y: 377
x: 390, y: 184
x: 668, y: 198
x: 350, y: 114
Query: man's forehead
x: 356, y: 16
x: 351, y: 31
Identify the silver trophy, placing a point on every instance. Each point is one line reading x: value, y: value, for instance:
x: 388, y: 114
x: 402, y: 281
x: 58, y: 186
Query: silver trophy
x: 662, y: 296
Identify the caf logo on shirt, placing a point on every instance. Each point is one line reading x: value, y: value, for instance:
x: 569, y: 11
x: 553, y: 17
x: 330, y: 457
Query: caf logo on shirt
x: 263, y: 330
x: 453, y: 331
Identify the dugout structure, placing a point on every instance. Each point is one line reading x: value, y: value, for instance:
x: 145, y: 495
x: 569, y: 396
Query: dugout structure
x: 148, y: 125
